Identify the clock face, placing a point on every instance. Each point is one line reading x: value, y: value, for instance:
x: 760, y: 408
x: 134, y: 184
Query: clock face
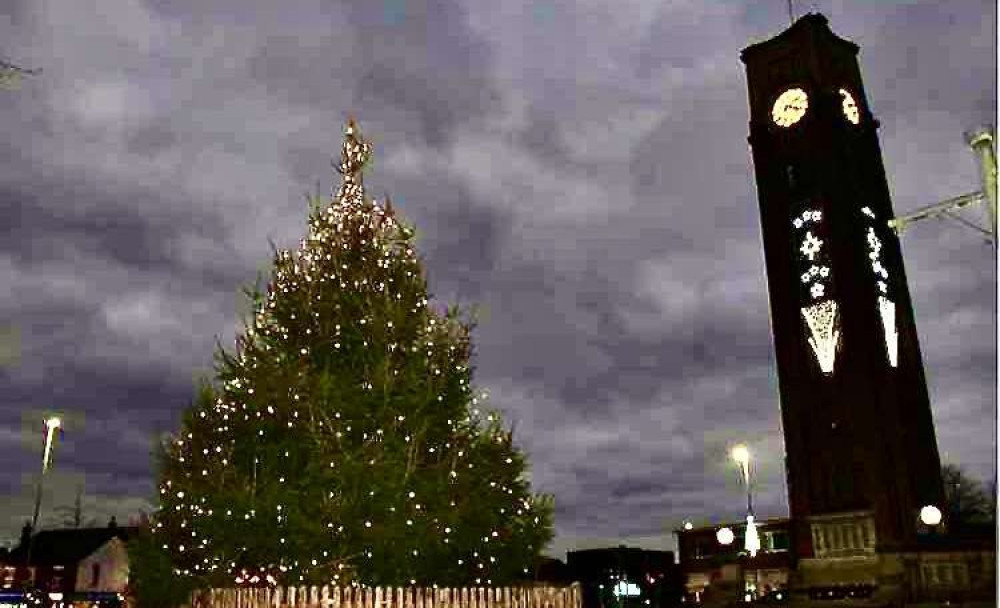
x: 790, y: 107
x: 848, y: 106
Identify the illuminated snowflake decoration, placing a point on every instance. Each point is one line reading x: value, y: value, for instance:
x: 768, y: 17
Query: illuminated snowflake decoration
x: 822, y: 321
x: 811, y: 246
x: 886, y: 307
x: 815, y: 272
x: 821, y: 316
x: 879, y: 269
x: 808, y: 216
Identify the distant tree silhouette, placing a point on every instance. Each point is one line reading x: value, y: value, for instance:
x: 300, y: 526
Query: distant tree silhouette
x: 73, y: 516
x: 966, y: 500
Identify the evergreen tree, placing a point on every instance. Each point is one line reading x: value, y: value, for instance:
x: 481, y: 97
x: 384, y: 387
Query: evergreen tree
x: 343, y: 442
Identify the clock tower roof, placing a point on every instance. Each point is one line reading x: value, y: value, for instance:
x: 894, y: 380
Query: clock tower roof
x: 805, y: 32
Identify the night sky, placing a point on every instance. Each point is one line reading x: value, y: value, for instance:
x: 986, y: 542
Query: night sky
x: 579, y: 169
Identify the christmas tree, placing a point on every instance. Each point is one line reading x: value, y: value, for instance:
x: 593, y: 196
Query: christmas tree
x: 343, y: 442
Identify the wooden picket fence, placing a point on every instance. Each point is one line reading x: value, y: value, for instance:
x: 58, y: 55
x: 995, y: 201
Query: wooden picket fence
x: 387, y: 597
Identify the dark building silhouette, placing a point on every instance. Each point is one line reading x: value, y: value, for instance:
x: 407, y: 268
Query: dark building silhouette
x: 649, y: 575
x: 552, y: 570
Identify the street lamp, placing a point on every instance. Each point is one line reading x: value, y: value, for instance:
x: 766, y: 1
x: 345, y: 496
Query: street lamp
x: 930, y: 515
x: 741, y: 454
x: 52, y: 424
x: 725, y: 536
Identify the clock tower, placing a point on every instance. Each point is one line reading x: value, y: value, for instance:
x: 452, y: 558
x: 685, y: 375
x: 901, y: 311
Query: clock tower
x: 861, y: 456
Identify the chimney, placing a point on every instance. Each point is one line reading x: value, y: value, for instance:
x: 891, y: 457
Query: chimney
x: 113, y: 524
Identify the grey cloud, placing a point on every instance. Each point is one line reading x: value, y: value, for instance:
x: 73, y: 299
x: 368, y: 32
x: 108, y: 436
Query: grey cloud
x: 580, y: 171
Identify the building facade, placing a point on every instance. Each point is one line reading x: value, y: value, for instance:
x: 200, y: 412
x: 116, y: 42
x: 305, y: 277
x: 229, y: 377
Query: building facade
x: 705, y: 562
x: 88, y: 561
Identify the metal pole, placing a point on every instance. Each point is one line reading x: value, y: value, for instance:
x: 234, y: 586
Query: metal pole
x: 981, y: 140
x: 34, y: 529
x: 746, y: 476
x: 51, y: 424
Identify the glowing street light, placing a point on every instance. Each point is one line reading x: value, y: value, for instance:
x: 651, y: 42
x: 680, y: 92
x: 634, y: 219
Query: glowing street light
x: 51, y: 426
x: 930, y: 515
x: 725, y: 536
x: 741, y: 454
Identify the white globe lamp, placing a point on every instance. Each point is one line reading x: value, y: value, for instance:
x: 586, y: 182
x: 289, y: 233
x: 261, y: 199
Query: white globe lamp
x: 930, y: 515
x: 725, y: 536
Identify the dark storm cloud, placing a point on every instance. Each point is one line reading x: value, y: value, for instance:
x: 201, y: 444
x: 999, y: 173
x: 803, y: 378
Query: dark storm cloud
x: 579, y: 169
x: 414, y: 65
x: 43, y: 220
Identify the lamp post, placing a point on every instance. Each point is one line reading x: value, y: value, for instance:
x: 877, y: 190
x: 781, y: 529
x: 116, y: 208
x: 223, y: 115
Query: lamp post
x: 51, y: 426
x: 741, y: 454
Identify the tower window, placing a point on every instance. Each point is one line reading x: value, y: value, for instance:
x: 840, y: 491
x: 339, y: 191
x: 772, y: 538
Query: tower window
x: 95, y: 575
